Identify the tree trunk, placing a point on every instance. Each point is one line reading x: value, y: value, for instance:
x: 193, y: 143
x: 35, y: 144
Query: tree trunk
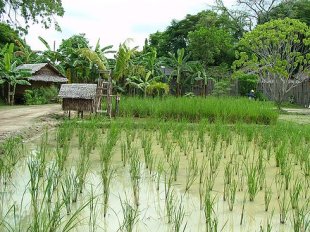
x: 9, y: 92
x: 13, y: 95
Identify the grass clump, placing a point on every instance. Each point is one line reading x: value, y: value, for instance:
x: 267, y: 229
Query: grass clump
x: 226, y: 109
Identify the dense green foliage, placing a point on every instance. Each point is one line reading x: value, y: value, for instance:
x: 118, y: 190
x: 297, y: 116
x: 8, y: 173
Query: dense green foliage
x: 229, y: 110
x: 42, y: 95
x: 39, y: 11
x: 278, y: 52
x: 294, y: 9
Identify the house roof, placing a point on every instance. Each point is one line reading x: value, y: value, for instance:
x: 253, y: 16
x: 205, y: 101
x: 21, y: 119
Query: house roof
x: 34, y: 68
x: 78, y: 91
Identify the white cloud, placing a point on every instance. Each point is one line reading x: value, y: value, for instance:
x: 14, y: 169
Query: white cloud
x: 113, y: 21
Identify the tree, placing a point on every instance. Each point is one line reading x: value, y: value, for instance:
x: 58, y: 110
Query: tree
x: 278, y: 52
x: 7, y: 35
x: 39, y: 11
x: 180, y: 65
x: 295, y: 9
x: 211, y: 45
x: 10, y: 74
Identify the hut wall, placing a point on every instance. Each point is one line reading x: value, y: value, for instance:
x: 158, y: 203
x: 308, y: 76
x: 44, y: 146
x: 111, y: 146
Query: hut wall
x: 78, y: 104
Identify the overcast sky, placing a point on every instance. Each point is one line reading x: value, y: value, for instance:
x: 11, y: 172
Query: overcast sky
x: 113, y: 21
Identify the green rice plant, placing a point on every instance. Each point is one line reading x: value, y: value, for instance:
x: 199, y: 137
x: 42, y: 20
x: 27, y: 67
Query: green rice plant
x: 135, y: 174
x: 201, y: 141
x: 168, y: 149
x: 252, y: 174
x: 93, y: 215
x: 11, y: 150
x: 192, y: 171
x: 168, y: 184
x: 231, y: 194
x: 82, y: 169
x: 284, y: 205
x: 228, y: 172
x: 62, y: 154
x: 210, y: 179
x: 226, y: 109
x: 268, y: 224
x: 67, y: 190
x: 106, y: 176
x: 209, y: 213
x: 295, y: 192
x: 185, y: 144
x: 124, y: 153
x: 51, y: 180
x: 147, y: 152
x: 159, y: 170
x: 178, y: 217
x: 169, y: 205
x: 81, y: 136
x: 174, y: 165
x: 131, y: 216
x: 34, y: 170
x: 75, y: 184
x: 242, y: 211
x: 301, y: 218
x: 267, y: 196
x: 280, y: 154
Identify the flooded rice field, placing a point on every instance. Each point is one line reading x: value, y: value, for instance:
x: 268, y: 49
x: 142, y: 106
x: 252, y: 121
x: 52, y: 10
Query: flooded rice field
x: 168, y: 177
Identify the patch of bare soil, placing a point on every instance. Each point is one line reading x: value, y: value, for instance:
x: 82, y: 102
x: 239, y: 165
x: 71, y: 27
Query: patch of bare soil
x: 27, y: 121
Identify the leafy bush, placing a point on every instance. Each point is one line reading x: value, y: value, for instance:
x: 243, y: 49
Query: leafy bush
x: 42, y: 95
x: 246, y: 83
x: 221, y: 88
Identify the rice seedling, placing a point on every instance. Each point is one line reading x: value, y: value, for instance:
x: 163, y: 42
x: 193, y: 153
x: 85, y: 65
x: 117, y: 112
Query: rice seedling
x: 284, y: 205
x: 210, y: 179
x: 51, y: 180
x: 301, y: 218
x: 131, y: 216
x: 82, y: 169
x: 231, y: 194
x: 106, y: 176
x: 209, y: 214
x: 195, y: 109
x: 147, y: 152
x: 174, y: 165
x: 178, y: 217
x: 159, y: 170
x: 93, y: 203
x: 170, y: 203
x: 34, y: 171
x: 295, y: 192
x: 124, y: 153
x: 192, y: 171
x: 135, y: 174
x: 169, y: 148
x: 242, y: 211
x: 67, y: 190
x: 267, y: 196
x: 252, y: 173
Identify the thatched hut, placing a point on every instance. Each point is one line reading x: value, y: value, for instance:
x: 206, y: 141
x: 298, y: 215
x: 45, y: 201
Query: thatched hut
x: 42, y: 75
x: 78, y: 97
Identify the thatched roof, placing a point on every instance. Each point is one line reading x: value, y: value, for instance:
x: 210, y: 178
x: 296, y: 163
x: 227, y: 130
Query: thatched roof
x: 78, y: 91
x: 44, y: 77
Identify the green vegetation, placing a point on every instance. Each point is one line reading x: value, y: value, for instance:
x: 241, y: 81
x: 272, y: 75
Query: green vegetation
x: 229, y: 110
x: 42, y: 95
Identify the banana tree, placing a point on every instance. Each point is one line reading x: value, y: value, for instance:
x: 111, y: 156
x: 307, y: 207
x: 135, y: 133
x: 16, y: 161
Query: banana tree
x: 11, y: 75
x: 180, y: 64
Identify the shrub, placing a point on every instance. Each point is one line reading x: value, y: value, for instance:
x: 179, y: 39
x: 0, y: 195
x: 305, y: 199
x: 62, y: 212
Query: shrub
x: 42, y: 95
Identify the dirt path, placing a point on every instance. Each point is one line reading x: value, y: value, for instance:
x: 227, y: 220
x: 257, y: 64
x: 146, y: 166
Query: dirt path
x: 20, y: 119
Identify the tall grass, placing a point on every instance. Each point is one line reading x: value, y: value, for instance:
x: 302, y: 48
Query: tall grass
x: 195, y: 109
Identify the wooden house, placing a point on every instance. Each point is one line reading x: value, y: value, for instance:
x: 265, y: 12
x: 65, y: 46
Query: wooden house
x: 42, y: 75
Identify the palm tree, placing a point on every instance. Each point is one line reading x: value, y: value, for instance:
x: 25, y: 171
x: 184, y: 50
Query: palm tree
x: 180, y: 64
x: 10, y: 74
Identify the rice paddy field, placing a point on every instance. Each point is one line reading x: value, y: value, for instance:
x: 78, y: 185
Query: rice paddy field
x: 149, y: 174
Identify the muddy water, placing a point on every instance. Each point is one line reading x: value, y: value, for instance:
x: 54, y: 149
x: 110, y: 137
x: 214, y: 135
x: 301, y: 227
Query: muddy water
x: 151, y: 211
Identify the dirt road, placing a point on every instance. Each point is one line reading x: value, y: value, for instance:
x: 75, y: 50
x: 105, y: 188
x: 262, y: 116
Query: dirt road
x: 16, y: 119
